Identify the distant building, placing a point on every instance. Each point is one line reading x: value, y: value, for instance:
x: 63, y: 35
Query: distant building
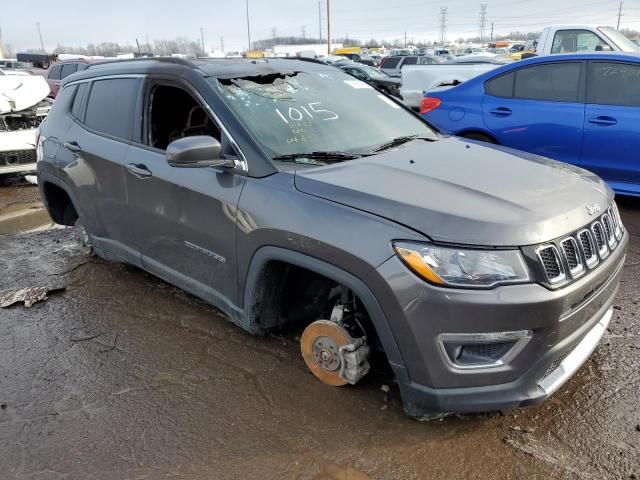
x: 306, y: 50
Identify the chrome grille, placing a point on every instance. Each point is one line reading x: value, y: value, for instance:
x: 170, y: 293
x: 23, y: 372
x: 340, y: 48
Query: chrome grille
x: 601, y: 240
x: 588, y: 247
x: 570, y: 257
x: 607, y: 223
x: 551, y: 263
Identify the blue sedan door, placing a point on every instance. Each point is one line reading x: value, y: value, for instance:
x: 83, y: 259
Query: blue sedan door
x: 611, y: 145
x: 538, y: 109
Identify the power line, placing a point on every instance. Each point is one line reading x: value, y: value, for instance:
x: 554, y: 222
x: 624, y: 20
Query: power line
x: 483, y: 20
x: 443, y: 24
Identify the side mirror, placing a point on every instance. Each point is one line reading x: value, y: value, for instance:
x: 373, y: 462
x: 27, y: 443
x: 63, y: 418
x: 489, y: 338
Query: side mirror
x: 197, y: 152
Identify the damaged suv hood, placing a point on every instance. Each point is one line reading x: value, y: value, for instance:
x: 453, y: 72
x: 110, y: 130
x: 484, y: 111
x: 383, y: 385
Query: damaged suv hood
x: 464, y: 192
x: 19, y: 92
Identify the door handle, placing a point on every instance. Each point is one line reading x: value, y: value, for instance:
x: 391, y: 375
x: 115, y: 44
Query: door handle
x: 73, y: 146
x: 603, y: 120
x: 500, y: 112
x: 139, y: 170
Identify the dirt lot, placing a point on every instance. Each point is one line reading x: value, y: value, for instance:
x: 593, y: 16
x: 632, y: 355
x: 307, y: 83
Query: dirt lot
x: 121, y: 376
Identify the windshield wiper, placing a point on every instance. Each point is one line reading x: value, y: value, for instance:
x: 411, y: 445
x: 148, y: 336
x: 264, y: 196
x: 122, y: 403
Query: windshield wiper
x: 320, y: 155
x: 396, y: 142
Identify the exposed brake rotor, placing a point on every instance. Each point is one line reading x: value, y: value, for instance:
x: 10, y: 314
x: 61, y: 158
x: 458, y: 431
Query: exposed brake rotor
x: 320, y: 344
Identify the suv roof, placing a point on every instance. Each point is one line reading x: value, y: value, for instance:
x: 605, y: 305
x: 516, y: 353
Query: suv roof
x: 213, y: 67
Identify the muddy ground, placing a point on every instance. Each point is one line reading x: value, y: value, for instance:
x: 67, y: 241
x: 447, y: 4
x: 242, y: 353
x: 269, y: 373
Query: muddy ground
x: 122, y: 376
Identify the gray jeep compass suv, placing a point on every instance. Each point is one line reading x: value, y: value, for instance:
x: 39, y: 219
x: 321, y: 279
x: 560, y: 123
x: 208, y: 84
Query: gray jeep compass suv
x: 292, y: 195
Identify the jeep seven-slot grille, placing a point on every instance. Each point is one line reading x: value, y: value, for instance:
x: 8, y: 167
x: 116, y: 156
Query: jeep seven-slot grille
x: 571, y: 253
x: 571, y: 256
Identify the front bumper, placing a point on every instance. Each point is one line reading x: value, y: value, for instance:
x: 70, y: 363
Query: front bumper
x: 566, y: 326
x: 17, y: 151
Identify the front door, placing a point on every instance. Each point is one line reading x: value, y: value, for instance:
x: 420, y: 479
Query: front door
x: 184, y: 217
x: 611, y: 142
x: 537, y: 109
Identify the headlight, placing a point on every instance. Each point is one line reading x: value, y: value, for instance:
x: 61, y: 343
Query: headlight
x: 457, y: 267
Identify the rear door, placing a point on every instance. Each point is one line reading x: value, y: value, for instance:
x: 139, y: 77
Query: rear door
x: 93, y: 161
x: 538, y: 109
x: 611, y: 143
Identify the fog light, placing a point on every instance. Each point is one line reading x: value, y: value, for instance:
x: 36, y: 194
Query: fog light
x: 482, y: 350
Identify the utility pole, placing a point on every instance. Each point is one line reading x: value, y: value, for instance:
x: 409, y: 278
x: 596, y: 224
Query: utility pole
x: 405, y: 39
x: 222, y: 44
x: 619, y: 15
x: 204, y: 53
x: 492, y: 31
x: 40, y: 34
x: 304, y: 31
x: 148, y: 47
x: 248, y: 26
x: 320, y: 19
x: 328, y: 27
x: 483, y: 20
x: 273, y: 37
x: 443, y: 25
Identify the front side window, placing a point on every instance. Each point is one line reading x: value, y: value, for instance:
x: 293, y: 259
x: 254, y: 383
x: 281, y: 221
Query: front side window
x: 568, y: 41
x: 553, y: 82
x: 110, y: 105
x: 610, y: 83
x: 293, y: 112
x: 172, y: 113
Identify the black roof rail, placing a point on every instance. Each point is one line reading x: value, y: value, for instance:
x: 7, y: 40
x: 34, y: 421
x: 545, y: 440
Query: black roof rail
x: 174, y: 60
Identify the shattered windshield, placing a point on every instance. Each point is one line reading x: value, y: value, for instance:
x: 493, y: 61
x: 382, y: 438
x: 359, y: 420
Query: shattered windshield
x: 294, y: 112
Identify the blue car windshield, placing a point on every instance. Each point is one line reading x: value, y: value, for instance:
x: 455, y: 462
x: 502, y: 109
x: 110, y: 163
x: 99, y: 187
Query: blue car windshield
x: 293, y: 112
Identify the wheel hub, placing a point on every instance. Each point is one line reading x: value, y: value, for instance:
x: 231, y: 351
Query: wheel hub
x: 320, y: 345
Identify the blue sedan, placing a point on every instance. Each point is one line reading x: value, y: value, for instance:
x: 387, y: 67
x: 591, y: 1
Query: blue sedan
x: 580, y: 108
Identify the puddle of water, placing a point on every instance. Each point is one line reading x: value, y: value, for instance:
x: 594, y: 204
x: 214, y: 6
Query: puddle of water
x: 23, y: 217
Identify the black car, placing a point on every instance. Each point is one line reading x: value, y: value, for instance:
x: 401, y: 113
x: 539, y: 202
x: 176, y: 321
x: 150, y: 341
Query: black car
x: 374, y: 77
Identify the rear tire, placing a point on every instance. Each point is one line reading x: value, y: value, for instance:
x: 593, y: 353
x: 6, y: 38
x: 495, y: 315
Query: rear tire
x: 478, y: 136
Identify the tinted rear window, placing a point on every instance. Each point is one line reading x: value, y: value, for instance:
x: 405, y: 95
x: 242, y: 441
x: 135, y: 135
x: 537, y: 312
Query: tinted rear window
x: 410, y: 61
x: 68, y: 69
x: 612, y: 83
x: 110, y: 105
x: 555, y: 82
x: 391, y: 62
x: 501, y: 86
x: 54, y: 73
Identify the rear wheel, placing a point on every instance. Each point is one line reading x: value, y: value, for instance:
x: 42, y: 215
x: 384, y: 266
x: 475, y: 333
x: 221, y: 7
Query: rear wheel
x: 478, y: 136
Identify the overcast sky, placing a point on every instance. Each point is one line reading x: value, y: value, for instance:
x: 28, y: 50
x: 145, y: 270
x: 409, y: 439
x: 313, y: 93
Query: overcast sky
x: 69, y: 22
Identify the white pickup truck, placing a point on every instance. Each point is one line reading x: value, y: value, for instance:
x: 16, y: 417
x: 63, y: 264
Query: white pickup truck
x: 418, y: 79
x: 582, y: 38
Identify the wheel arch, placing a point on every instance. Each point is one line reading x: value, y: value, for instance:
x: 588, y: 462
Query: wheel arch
x: 57, y: 197
x: 255, y: 278
x: 479, y: 131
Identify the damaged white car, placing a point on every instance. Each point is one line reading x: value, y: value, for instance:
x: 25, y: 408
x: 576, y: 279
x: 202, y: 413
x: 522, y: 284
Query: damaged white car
x: 23, y: 106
